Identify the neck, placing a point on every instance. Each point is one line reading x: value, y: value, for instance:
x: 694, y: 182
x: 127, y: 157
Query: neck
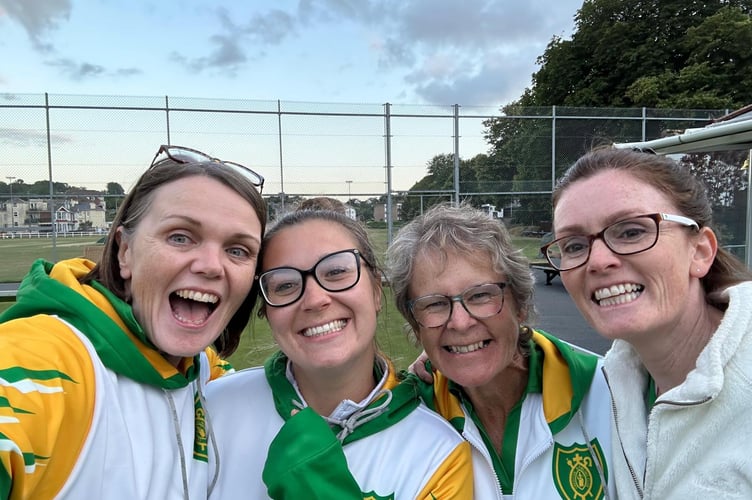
x: 325, y: 388
x: 670, y: 356
x: 493, y: 402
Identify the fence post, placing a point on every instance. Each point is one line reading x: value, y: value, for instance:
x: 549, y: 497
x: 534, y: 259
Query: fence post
x: 281, y: 169
x: 456, y: 154
x: 388, y: 153
x: 49, y: 174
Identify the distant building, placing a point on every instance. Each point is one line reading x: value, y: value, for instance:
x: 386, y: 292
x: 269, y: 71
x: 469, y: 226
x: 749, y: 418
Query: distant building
x: 350, y: 212
x: 12, y: 213
x: 491, y: 211
x: 379, y: 211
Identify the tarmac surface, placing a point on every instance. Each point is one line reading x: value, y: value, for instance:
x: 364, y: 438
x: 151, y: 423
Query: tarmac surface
x: 558, y: 315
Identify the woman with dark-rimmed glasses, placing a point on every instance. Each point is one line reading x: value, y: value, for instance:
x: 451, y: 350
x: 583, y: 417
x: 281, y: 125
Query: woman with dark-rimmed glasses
x: 103, y: 366
x: 637, y: 253
x: 534, y: 409
x: 329, y: 386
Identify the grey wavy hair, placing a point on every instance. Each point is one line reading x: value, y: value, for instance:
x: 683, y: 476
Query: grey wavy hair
x: 466, y: 230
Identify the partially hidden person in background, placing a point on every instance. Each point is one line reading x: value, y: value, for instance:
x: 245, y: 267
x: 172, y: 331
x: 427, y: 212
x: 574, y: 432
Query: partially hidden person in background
x: 323, y: 203
x: 322, y: 293
x: 534, y: 408
x: 102, y: 366
x: 637, y: 252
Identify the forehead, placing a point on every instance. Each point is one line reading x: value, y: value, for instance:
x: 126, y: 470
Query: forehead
x: 447, y: 272
x: 303, y: 244
x: 606, y: 197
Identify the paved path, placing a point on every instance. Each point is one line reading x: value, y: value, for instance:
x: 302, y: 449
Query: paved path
x: 558, y: 315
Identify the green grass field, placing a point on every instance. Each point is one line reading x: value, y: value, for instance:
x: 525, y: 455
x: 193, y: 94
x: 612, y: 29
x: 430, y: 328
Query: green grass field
x: 257, y: 343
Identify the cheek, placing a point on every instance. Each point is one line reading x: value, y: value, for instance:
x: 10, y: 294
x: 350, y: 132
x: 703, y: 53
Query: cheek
x: 277, y: 319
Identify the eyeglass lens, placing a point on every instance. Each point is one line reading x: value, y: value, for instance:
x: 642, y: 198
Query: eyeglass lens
x: 483, y: 301
x: 624, y: 238
x: 334, y: 273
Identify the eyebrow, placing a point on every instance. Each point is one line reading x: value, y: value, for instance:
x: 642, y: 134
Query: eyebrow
x: 578, y: 229
x: 198, y: 223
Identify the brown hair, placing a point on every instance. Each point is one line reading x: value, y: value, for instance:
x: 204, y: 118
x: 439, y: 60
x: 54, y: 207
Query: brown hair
x: 678, y: 184
x: 323, y: 203
x: 137, y: 203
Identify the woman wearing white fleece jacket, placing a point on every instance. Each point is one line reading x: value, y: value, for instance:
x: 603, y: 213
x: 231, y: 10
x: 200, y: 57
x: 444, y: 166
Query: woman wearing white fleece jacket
x: 637, y: 253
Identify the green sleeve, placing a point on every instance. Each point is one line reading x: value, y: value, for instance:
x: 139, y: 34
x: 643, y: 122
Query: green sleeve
x: 305, y: 460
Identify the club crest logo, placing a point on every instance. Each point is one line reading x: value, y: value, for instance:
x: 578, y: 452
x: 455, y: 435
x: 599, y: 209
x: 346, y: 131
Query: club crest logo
x: 575, y: 472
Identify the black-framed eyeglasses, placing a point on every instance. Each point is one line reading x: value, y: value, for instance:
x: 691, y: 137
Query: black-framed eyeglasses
x: 625, y: 237
x: 182, y: 154
x: 480, y: 302
x: 335, y: 272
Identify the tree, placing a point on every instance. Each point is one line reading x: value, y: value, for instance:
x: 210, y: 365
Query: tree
x: 721, y: 172
x: 628, y: 53
x: 115, y: 188
x: 115, y: 194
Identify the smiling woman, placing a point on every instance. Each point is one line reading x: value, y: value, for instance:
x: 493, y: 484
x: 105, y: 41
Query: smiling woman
x: 115, y: 355
x: 526, y: 401
x: 329, y: 386
x: 642, y: 263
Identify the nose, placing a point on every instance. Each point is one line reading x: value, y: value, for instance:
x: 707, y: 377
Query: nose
x: 314, y: 296
x: 209, y: 260
x: 459, y: 318
x: 601, y: 256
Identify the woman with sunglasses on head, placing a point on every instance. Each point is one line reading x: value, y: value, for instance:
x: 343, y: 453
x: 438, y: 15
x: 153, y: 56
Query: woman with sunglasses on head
x: 103, y: 366
x: 637, y: 253
x: 322, y: 294
x: 534, y: 409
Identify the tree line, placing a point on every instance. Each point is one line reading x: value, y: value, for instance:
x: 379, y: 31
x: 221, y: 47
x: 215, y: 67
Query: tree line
x: 672, y: 54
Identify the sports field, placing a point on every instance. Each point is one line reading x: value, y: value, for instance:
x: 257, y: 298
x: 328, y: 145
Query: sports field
x: 16, y: 255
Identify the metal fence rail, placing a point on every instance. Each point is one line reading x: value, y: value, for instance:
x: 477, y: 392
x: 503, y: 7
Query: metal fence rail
x: 345, y: 150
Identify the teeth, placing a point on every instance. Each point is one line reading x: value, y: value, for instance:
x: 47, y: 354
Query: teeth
x: 618, y: 294
x: 333, y: 326
x: 197, y: 296
x: 462, y: 349
x: 186, y: 320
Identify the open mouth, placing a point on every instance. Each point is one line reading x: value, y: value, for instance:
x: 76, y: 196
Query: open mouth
x: 193, y: 307
x: 464, y: 349
x: 317, y: 331
x: 617, y: 294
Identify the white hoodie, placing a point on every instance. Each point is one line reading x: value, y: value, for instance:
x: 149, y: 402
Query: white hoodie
x: 695, y: 442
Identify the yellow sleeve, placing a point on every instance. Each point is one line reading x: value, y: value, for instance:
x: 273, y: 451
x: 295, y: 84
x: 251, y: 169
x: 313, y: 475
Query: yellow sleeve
x: 47, y: 395
x: 217, y: 366
x: 454, y: 479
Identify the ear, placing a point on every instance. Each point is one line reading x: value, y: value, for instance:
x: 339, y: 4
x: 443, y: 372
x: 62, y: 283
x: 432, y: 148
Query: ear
x: 124, y: 253
x: 705, y: 246
x: 377, y: 296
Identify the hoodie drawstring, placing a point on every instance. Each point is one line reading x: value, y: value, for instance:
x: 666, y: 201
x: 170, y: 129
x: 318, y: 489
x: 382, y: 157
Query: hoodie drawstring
x: 597, y: 462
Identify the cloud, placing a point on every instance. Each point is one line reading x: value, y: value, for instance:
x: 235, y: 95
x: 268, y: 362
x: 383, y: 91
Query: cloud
x: 470, y: 52
x: 448, y: 51
x: 229, y: 47
x: 79, y: 71
x: 38, y: 17
x: 20, y: 137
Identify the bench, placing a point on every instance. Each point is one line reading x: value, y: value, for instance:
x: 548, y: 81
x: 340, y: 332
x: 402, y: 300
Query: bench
x: 551, y: 273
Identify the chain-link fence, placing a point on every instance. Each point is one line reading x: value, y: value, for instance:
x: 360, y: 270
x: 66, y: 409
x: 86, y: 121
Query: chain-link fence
x: 374, y: 152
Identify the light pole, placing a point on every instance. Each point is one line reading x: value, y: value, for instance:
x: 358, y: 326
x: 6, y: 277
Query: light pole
x: 349, y: 183
x: 10, y: 186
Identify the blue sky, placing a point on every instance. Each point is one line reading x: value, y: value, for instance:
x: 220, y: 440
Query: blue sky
x: 469, y: 52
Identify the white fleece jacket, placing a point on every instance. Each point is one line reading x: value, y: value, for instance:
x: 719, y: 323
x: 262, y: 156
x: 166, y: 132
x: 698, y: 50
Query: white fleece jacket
x: 697, y: 440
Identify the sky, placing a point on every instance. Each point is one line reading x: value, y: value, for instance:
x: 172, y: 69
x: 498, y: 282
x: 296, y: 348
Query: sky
x: 443, y: 52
